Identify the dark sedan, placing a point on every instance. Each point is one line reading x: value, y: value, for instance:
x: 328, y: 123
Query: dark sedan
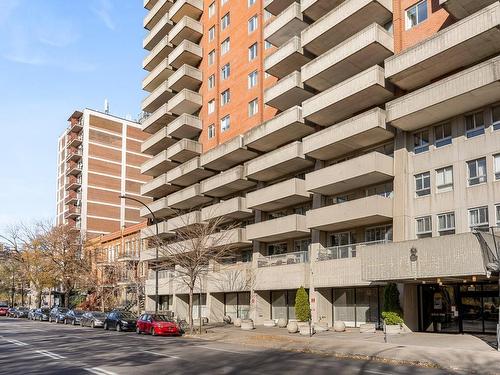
x: 21, y: 312
x: 57, y: 314
x: 73, y: 317
x: 42, y: 314
x: 93, y: 319
x: 120, y: 320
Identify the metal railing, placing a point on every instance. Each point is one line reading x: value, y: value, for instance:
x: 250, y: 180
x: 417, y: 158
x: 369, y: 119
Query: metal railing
x: 283, y: 259
x: 162, y: 274
x: 345, y: 251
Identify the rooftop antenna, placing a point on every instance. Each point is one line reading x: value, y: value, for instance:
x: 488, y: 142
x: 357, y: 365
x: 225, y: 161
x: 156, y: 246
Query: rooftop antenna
x: 106, y: 106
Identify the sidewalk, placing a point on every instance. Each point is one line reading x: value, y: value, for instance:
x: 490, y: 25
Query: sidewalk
x: 462, y: 353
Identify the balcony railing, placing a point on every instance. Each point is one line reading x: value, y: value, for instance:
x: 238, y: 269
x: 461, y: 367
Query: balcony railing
x: 345, y: 251
x: 162, y: 274
x: 283, y: 259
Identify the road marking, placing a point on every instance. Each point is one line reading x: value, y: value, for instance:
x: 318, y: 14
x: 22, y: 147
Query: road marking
x: 99, y: 371
x: 375, y: 372
x: 50, y: 354
x: 39, y: 330
x: 16, y: 342
x: 161, y: 354
x: 218, y: 349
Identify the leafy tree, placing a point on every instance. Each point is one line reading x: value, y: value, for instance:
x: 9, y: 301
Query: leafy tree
x: 302, y: 306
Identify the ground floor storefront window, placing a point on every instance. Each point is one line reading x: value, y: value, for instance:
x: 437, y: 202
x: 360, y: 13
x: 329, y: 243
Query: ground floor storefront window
x: 283, y: 304
x: 237, y: 305
x: 165, y: 302
x: 356, y: 306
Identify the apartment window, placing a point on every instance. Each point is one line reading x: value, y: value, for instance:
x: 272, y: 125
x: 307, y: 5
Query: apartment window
x: 474, y: 125
x: 211, y: 131
x: 497, y: 209
x: 421, y: 141
x: 224, y: 46
x: 381, y: 233
x: 252, y: 79
x: 211, y: 33
x: 478, y: 217
x: 497, y: 166
x: 444, y: 179
x: 267, y: 45
x: 225, y: 97
x: 424, y: 227
x: 495, y: 114
x: 476, y: 171
x: 302, y: 245
x: 225, y: 21
x: 423, y: 184
x: 225, y: 123
x: 225, y: 72
x: 416, y: 14
x: 211, y: 57
x: 211, y: 10
x: 253, y: 107
x: 252, y: 52
x: 251, y: 2
x: 446, y: 223
x: 252, y: 24
x: 276, y: 248
x: 211, y: 81
x: 442, y: 135
x: 211, y: 106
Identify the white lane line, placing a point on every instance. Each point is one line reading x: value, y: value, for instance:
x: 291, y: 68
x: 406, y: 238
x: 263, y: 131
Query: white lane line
x: 49, y: 354
x: 38, y: 330
x: 161, y: 354
x: 218, y: 349
x: 99, y: 371
x: 16, y: 342
x: 375, y: 372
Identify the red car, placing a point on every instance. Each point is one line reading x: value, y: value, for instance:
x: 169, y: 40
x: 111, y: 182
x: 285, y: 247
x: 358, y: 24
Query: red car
x: 3, y: 309
x: 157, y: 325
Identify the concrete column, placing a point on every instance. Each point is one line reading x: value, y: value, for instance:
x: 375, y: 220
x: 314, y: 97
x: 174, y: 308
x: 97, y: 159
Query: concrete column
x: 324, y: 306
x: 215, y: 306
x: 402, y: 202
x: 314, y: 297
x: 410, y: 306
x: 181, y: 306
x: 262, y: 303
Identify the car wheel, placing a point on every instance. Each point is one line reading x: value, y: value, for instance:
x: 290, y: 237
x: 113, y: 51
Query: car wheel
x: 153, y: 332
x: 105, y: 326
x: 137, y: 330
x: 118, y: 328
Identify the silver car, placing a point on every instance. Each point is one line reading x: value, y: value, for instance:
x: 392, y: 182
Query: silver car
x: 93, y: 319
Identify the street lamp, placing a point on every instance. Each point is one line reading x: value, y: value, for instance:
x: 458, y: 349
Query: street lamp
x: 156, y: 256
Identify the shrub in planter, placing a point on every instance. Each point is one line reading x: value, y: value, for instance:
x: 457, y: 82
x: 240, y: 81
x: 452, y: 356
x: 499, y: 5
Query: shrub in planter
x: 392, y: 318
x: 391, y: 299
x: 302, y: 306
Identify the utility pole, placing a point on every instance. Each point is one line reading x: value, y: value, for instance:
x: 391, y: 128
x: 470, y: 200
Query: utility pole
x: 498, y: 268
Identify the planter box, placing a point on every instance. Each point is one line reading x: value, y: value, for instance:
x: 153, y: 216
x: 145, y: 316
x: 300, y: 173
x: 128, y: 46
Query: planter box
x: 392, y: 329
x: 367, y: 328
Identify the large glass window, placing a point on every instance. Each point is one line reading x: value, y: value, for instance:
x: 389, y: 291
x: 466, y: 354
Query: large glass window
x: 476, y: 171
x: 422, y: 184
x: 252, y: 24
x: 497, y: 166
x: 495, y: 114
x: 252, y: 79
x: 224, y: 46
x: 225, y: 123
x: 211, y: 33
x: 446, y: 223
x: 444, y: 179
x: 253, y: 107
x: 211, y: 131
x: 478, y: 217
x: 211, y: 82
x: 416, y: 14
x: 225, y: 72
x: 380, y: 233
x: 474, y: 124
x: 442, y: 134
x: 225, y: 97
x: 211, y: 57
x: 277, y: 248
x: 252, y: 52
x: 421, y: 141
x: 225, y: 21
x: 211, y: 10
x: 424, y: 227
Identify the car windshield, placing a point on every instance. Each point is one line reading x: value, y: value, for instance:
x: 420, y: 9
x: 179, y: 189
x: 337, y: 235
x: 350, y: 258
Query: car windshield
x: 64, y: 310
x: 99, y: 315
x: 161, y: 318
x: 78, y: 312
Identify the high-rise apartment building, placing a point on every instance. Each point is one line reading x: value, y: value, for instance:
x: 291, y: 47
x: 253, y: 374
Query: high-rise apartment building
x: 99, y: 158
x: 376, y: 158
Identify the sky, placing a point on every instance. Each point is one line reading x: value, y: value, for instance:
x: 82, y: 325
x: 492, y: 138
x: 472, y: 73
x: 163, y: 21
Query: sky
x: 57, y: 56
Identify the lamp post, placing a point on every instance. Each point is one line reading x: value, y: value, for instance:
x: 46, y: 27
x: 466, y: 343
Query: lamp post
x: 492, y: 229
x: 156, y: 256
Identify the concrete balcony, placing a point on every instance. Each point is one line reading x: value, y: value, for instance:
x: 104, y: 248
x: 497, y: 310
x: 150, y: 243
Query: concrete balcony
x: 232, y: 209
x: 186, y: 101
x: 156, y: 13
x: 463, y: 8
x: 315, y: 9
x: 186, y: 8
x: 226, y: 183
x: 278, y: 163
x: 186, y: 29
x: 157, y: 54
x: 278, y: 196
x: 226, y: 278
x: 271, y: 275
x: 281, y: 129
x: 277, y: 6
x: 186, y: 77
x: 287, y: 92
x: 366, y: 129
x: 157, y: 120
x: 186, y: 52
x: 345, y: 272
x: 158, y: 187
x: 283, y: 228
x: 343, y: 21
x: 462, y: 92
x: 74, y: 169
x: 157, y: 98
x: 371, y: 210
x: 188, y: 173
x: 159, y: 207
x: 458, y: 255
x: 233, y: 238
x: 461, y: 44
x: 166, y: 285
x: 184, y: 221
x: 288, y: 58
x: 73, y: 183
x: 369, y: 169
x: 157, y: 142
x: 369, y: 47
x: 150, y: 231
x: 227, y: 155
x: 157, y: 76
x: 287, y: 24
x: 185, y: 126
x: 366, y: 89
x: 158, y: 165
x: 149, y: 4
x: 158, y: 32
x: 187, y: 198
x: 184, y: 150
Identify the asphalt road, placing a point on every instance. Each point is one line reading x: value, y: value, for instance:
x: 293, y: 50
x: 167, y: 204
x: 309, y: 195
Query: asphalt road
x: 28, y: 347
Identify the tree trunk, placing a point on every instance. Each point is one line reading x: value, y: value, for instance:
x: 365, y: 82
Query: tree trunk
x: 66, y: 297
x: 39, y: 299
x: 190, y: 309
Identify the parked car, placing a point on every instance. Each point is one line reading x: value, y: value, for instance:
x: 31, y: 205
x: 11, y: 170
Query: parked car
x: 57, y: 314
x: 157, y: 325
x: 120, y: 320
x: 11, y: 311
x: 93, y: 319
x: 42, y: 314
x: 21, y: 312
x: 73, y: 317
x: 3, y: 308
x: 31, y: 313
